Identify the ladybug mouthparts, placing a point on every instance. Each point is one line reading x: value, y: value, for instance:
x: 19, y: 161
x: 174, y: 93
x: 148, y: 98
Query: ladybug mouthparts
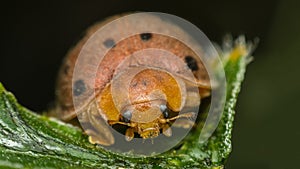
x: 150, y: 132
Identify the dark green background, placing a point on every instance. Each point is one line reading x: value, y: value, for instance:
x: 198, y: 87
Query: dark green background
x: 36, y: 35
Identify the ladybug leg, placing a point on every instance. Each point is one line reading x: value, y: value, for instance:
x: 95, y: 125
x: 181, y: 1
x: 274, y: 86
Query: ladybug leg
x: 166, y: 130
x: 129, y: 135
x: 112, y: 122
x: 95, y: 126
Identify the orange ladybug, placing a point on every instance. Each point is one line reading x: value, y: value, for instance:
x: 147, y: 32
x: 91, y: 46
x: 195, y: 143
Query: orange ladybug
x: 144, y: 82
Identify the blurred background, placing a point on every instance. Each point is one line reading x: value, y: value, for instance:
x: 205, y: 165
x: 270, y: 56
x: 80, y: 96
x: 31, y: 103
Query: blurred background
x: 35, y: 36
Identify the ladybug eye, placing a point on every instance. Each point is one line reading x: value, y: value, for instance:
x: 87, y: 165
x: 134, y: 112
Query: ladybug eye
x: 127, y: 116
x: 164, y: 111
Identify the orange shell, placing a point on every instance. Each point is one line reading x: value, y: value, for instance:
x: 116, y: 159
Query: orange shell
x: 117, y: 54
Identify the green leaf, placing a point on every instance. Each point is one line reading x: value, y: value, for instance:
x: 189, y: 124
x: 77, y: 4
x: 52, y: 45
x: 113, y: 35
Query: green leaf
x: 28, y: 140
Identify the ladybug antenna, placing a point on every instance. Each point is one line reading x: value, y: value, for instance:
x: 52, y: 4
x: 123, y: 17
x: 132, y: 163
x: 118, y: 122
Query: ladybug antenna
x: 189, y: 115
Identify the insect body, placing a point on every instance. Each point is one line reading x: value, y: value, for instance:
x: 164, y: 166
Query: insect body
x: 144, y: 82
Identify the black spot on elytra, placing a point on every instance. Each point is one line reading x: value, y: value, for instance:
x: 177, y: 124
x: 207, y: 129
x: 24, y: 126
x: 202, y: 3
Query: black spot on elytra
x: 191, y: 63
x: 146, y: 36
x: 109, y: 43
x: 79, y: 87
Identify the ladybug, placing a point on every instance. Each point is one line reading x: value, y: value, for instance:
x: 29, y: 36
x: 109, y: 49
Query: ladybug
x: 142, y: 82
